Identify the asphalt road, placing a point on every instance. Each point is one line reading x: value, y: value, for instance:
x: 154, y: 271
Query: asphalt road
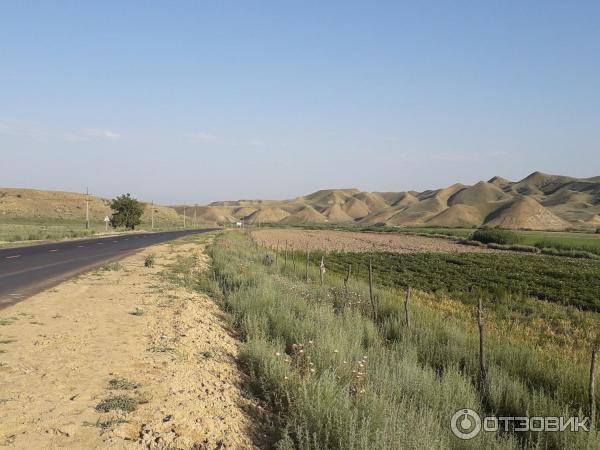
x: 27, y: 270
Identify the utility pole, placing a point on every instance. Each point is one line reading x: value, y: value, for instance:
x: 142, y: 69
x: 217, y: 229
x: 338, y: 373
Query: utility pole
x: 87, y: 209
x: 152, y: 215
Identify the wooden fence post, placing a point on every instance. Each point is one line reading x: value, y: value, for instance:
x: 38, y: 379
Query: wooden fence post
x: 277, y: 255
x: 322, y: 269
x: 406, y: 298
x: 371, y: 296
x: 347, y: 277
x: 592, y: 390
x: 482, y: 372
x: 307, y: 262
x: 285, y: 262
x: 294, y: 260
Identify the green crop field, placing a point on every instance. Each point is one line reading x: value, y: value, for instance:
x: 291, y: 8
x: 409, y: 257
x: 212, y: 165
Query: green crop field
x: 562, y: 241
x: 500, y: 276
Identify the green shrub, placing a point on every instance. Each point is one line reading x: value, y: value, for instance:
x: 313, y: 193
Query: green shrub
x: 149, y: 261
x: 496, y: 236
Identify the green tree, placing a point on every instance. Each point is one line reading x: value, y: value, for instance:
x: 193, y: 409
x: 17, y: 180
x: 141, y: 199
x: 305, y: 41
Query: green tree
x: 127, y: 212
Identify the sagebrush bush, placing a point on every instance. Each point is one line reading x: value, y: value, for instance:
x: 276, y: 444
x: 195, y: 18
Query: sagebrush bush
x: 524, y: 248
x: 471, y: 242
x: 496, y: 236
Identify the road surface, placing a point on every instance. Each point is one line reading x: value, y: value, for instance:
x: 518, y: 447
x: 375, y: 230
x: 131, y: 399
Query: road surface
x: 27, y: 270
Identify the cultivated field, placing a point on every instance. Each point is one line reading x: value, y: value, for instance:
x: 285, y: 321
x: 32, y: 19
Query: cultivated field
x: 342, y: 241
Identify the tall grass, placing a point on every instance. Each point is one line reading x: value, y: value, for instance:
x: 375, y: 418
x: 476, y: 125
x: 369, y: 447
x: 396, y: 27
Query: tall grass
x: 338, y: 380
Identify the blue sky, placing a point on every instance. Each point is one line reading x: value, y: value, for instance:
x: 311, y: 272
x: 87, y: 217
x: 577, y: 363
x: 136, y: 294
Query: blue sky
x: 199, y: 101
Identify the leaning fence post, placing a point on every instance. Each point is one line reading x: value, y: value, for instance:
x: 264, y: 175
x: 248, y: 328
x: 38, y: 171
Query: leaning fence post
x: 482, y: 373
x: 371, y: 297
x: 406, y: 298
x: 347, y: 277
x: 592, y: 390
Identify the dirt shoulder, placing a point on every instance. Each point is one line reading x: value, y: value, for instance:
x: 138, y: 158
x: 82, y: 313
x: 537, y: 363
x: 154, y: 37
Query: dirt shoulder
x: 358, y: 242
x: 167, y: 351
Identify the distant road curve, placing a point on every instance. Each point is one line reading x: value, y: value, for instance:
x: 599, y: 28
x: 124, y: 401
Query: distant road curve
x: 27, y: 270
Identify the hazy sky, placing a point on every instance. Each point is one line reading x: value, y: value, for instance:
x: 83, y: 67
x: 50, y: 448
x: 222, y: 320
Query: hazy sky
x: 198, y: 101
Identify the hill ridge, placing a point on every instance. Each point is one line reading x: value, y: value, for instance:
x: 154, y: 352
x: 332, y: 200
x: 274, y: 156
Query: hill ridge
x: 538, y: 201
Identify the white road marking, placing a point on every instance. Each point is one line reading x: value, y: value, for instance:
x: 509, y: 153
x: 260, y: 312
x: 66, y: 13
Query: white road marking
x: 99, y: 243
x: 80, y: 246
x: 53, y: 250
x: 12, y: 257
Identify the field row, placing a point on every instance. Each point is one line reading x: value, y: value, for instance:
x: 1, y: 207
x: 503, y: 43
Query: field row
x: 560, y: 240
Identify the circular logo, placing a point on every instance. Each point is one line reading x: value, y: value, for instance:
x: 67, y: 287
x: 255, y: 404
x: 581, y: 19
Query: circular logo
x: 465, y: 424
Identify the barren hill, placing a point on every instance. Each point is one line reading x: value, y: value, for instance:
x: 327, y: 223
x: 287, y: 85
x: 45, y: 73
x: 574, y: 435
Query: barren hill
x: 267, y: 215
x: 525, y: 212
x: 336, y: 214
x: 308, y: 214
x: 539, y: 201
x: 356, y: 208
x: 478, y: 193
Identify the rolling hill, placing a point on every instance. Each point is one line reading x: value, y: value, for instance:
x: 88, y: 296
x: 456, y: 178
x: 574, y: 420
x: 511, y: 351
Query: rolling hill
x: 539, y: 201
x: 57, y: 205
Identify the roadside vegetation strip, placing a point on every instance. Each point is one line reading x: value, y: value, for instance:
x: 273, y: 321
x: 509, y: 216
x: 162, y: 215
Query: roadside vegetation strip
x: 340, y: 380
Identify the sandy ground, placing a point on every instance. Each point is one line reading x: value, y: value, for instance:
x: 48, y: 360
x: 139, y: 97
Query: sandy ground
x: 358, y: 242
x: 60, y: 348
